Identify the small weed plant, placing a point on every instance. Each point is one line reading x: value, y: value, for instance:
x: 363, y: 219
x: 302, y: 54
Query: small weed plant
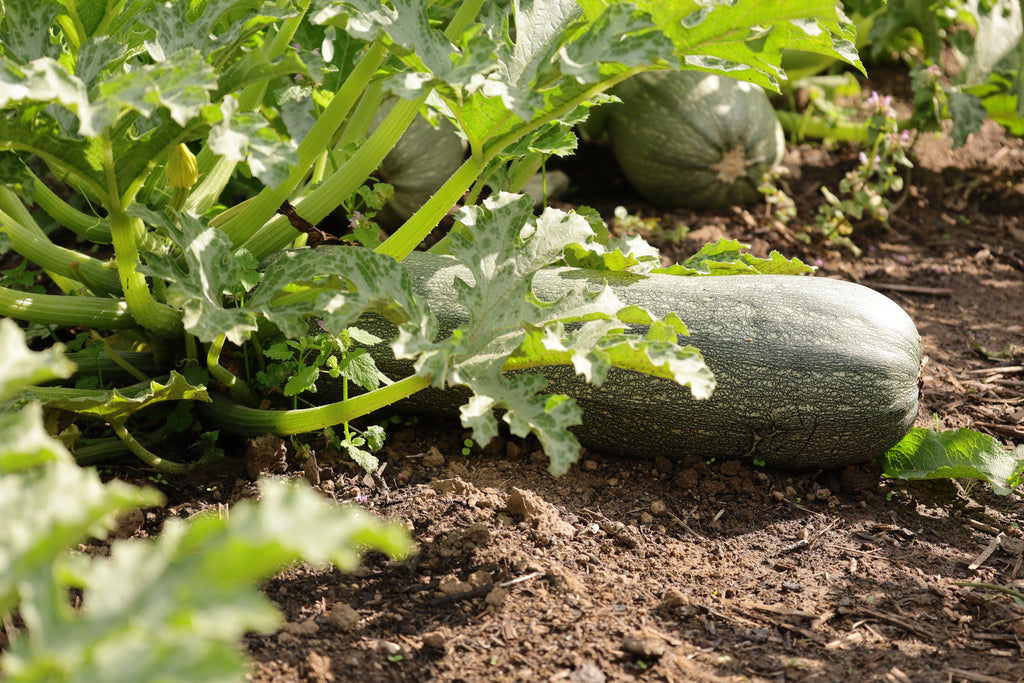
x: 866, y: 192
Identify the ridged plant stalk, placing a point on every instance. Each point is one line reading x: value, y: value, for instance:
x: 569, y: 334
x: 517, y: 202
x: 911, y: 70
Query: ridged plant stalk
x: 31, y: 242
x: 66, y: 310
x: 90, y: 227
x: 126, y: 232
x: 275, y: 232
x: 214, y: 171
x: 240, y: 419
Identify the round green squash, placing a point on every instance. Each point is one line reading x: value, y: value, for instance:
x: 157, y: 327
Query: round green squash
x: 689, y: 139
x: 812, y: 372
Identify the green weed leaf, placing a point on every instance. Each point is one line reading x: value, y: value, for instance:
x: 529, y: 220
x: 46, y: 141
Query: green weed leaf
x: 962, y: 453
x: 968, y: 113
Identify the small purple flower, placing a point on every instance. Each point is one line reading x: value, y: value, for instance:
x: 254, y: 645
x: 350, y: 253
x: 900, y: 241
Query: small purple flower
x: 863, y: 159
x: 881, y: 104
x: 355, y: 220
x: 320, y: 324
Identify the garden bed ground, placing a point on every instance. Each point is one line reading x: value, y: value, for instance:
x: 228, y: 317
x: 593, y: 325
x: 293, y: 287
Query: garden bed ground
x: 704, y: 571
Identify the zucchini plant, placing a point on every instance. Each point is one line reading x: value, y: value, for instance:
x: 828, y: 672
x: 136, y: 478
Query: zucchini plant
x: 104, y: 106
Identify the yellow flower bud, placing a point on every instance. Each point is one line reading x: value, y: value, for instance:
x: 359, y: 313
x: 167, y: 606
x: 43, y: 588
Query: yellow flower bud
x: 182, y: 171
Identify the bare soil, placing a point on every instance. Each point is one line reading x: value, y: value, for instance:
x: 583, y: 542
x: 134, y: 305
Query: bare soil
x: 694, y: 570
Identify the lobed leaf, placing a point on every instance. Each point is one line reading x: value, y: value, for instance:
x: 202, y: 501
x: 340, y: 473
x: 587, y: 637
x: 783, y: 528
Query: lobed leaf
x: 174, y: 608
x: 727, y: 257
x: 209, y: 271
x: 21, y: 367
x: 746, y: 39
x: 117, y: 405
x: 247, y: 136
x: 337, y: 285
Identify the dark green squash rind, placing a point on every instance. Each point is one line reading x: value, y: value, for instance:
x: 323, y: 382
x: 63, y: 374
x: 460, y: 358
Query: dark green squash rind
x: 672, y: 127
x: 812, y: 372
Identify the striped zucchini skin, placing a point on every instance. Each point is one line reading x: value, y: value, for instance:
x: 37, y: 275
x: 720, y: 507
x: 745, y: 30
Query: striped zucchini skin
x: 688, y: 139
x: 812, y: 372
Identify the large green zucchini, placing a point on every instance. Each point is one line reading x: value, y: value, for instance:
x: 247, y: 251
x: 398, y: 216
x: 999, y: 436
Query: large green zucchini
x: 812, y: 372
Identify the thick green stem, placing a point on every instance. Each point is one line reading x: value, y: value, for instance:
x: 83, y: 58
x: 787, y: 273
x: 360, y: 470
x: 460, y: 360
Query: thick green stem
x: 467, y: 12
x: 801, y: 126
x: 147, y: 311
x: 239, y: 390
x: 125, y: 233
x: 147, y: 456
x: 101, y: 452
x: 262, y: 209
x: 429, y: 215
x: 315, y: 206
x: 239, y: 419
x: 31, y: 242
x: 66, y: 310
x: 214, y: 171
x: 92, y: 228
x: 419, y: 225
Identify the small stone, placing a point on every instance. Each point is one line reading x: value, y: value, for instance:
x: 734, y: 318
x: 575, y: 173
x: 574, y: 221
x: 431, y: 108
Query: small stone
x: 433, y: 458
x: 481, y: 577
x: 644, y: 644
x: 318, y: 667
x: 590, y: 465
x: 129, y: 524
x: 435, y: 640
x: 646, y: 517
x: 306, y: 627
x: 343, y: 618
x: 389, y: 648
x: 730, y: 468
x: 673, y: 598
x: 778, y: 495
x: 687, y: 479
x: 266, y: 454
x: 587, y: 672
x: 497, y: 596
x: 450, y: 585
x: 658, y: 508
